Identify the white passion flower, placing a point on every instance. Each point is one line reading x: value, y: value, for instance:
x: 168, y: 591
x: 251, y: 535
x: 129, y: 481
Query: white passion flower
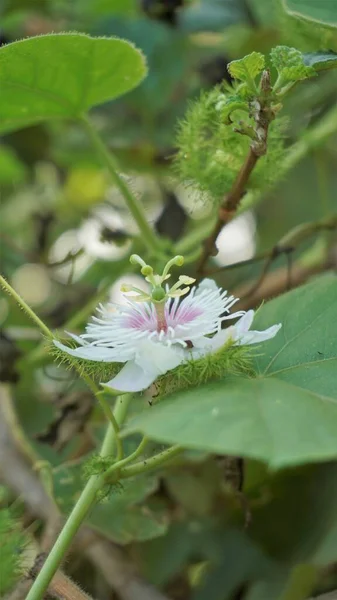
x: 157, y: 331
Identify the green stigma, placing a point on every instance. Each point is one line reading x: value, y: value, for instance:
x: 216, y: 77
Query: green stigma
x: 158, y: 293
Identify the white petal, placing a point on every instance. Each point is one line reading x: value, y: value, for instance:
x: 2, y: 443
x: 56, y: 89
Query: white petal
x: 93, y: 353
x: 77, y: 338
x: 152, y: 360
x: 158, y: 358
x: 202, y: 342
x: 207, y: 284
x: 222, y: 337
x: 132, y: 378
x: 244, y: 324
x: 255, y: 337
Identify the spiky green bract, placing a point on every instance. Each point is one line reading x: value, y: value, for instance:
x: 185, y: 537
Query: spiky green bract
x: 98, y: 371
x: 12, y: 543
x: 211, y: 153
x: 289, y: 64
x: 229, y: 360
x: 96, y: 465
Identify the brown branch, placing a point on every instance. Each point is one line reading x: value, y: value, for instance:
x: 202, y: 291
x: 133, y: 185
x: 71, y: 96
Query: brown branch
x: 61, y: 587
x: 262, y: 115
x: 17, y: 473
x: 228, y: 208
x: 276, y: 283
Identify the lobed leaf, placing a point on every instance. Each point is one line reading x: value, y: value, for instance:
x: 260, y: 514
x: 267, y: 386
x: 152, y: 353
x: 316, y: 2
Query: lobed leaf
x: 290, y: 65
x: 248, y: 67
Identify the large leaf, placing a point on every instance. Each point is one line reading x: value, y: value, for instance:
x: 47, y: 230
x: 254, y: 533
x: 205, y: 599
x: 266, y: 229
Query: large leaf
x: 321, y: 61
x: 295, y: 518
x: 63, y: 75
x: 320, y: 11
x: 288, y: 414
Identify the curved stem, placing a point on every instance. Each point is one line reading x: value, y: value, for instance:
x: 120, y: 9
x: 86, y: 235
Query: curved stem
x: 127, y: 459
x: 151, y: 463
x: 80, y: 510
x: 148, y: 236
x: 20, y: 301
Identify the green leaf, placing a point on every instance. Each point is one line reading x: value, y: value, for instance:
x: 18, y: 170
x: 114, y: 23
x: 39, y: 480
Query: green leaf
x: 124, y: 514
x: 301, y: 507
x: 305, y: 350
x: 288, y: 414
x: 124, y: 524
x: 320, y: 61
x: 164, y: 557
x: 63, y: 75
x: 320, y: 11
x: 248, y: 67
x: 232, y: 103
x: 289, y: 63
x: 195, y: 490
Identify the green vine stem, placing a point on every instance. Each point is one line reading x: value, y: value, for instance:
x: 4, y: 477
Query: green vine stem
x: 84, y: 504
x: 113, y: 422
x: 38, y: 356
x: 150, y: 463
x: 20, y: 301
x: 148, y: 236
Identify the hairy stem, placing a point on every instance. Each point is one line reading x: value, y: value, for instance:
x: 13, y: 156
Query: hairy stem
x: 148, y: 236
x: 113, y: 421
x: 151, y: 463
x: 91, y: 384
x: 83, y: 505
x: 20, y: 301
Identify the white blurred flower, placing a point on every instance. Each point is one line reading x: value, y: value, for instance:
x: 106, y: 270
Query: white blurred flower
x: 90, y: 234
x: 157, y: 331
x: 236, y: 240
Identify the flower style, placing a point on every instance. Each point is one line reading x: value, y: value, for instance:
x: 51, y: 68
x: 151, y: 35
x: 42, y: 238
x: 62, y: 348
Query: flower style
x: 157, y: 331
